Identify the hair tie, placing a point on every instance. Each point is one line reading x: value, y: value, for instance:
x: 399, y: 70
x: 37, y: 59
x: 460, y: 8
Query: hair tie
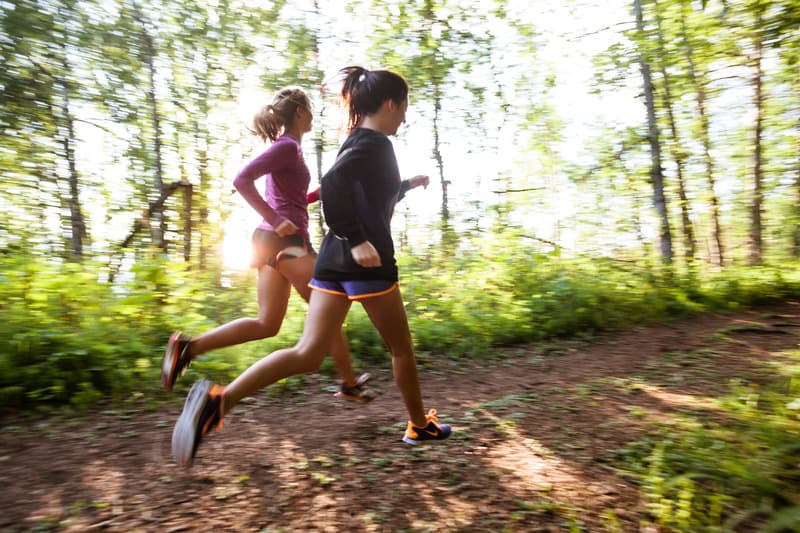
x: 362, y: 77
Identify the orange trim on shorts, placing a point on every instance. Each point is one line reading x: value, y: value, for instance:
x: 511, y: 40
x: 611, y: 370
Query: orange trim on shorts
x: 328, y: 291
x: 374, y: 294
x: 360, y: 296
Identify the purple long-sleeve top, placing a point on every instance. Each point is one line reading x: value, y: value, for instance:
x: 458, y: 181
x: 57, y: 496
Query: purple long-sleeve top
x: 287, y: 184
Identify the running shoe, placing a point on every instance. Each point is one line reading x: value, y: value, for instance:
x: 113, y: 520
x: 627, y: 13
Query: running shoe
x: 358, y: 392
x: 176, y: 360
x: 201, y: 414
x: 433, y: 430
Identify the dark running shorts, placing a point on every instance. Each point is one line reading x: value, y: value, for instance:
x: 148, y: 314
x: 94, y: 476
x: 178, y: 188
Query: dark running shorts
x: 269, y: 247
x: 354, y: 290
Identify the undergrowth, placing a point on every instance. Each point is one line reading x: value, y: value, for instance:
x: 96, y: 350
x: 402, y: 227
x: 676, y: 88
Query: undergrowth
x: 68, y: 337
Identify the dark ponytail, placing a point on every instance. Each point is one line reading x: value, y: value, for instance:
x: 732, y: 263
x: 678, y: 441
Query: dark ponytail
x: 364, y: 92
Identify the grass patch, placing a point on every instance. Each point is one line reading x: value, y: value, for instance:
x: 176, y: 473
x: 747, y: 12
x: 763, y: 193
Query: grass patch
x: 735, y: 472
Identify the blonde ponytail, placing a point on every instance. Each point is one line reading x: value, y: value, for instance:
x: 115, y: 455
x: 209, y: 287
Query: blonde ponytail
x: 272, y: 119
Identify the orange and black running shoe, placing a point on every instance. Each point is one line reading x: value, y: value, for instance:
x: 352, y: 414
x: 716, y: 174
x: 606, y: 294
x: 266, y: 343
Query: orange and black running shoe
x: 201, y: 414
x: 433, y: 430
x: 176, y: 359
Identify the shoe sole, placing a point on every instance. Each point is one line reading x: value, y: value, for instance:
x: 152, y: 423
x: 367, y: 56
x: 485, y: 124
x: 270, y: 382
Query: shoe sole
x: 351, y: 398
x: 169, y: 362
x: 185, y: 432
x: 416, y: 442
x: 362, y: 379
x: 413, y: 442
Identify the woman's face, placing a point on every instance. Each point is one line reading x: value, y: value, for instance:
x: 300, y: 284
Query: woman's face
x: 397, y: 114
x: 304, y: 117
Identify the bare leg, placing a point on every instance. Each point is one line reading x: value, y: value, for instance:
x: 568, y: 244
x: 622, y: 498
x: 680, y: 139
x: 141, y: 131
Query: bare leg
x: 299, y: 271
x: 389, y: 317
x: 273, y: 299
x: 326, y: 312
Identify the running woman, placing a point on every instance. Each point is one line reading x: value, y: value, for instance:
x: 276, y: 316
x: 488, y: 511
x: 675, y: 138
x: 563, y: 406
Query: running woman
x: 356, y: 262
x: 282, y: 252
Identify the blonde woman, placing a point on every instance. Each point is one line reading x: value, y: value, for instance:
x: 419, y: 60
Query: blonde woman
x: 282, y: 252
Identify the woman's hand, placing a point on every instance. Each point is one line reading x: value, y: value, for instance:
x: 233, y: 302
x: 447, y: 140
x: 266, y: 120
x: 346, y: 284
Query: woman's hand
x: 366, y: 255
x: 286, y: 228
x: 416, y: 181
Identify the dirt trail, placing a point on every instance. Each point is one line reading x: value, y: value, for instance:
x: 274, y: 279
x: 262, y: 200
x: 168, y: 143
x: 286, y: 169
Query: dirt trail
x: 535, y: 430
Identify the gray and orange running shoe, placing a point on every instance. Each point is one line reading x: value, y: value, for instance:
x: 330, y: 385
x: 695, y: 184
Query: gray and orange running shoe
x: 201, y: 414
x: 433, y: 430
x: 176, y: 359
x: 358, y: 392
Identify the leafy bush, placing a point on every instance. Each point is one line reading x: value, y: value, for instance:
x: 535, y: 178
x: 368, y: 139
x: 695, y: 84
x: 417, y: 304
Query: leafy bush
x: 68, y: 336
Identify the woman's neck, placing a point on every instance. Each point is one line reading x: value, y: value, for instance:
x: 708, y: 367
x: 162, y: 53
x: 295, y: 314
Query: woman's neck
x: 297, y: 134
x: 374, y: 122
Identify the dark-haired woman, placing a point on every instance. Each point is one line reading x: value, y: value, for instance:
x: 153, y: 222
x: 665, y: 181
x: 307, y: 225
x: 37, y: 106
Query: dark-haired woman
x: 356, y: 262
x: 282, y: 253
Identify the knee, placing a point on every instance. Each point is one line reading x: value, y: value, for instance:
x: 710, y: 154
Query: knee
x: 309, y: 358
x: 268, y: 329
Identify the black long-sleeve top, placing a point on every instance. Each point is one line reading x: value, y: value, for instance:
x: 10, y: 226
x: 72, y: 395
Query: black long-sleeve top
x: 358, y: 196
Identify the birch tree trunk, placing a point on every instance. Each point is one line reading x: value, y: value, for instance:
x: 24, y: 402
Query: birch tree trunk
x: 656, y: 174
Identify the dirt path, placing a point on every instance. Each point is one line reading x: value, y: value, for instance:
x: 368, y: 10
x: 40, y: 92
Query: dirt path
x: 535, y: 430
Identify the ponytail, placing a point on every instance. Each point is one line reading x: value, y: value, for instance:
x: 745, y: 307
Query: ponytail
x: 271, y: 119
x: 364, y: 92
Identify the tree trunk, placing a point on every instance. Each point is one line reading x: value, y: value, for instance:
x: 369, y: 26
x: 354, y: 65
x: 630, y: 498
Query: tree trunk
x: 656, y: 174
x: 66, y: 129
x: 756, y: 254
x: 717, y: 255
x: 686, y: 221
x: 153, y: 207
x: 796, y: 234
x: 77, y: 221
x: 437, y: 155
x: 187, y: 223
x: 158, y: 222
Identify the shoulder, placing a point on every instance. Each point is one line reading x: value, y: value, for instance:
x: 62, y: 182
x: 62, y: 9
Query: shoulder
x: 285, y: 143
x: 363, y: 138
x: 284, y: 148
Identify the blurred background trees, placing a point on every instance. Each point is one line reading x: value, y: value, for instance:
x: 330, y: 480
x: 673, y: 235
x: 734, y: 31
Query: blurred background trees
x: 590, y: 162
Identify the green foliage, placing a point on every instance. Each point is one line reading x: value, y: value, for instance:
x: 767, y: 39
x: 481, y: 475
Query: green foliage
x: 738, y: 471
x: 68, y: 336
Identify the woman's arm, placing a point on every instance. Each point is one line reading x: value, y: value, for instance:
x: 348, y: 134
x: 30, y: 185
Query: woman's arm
x: 337, y: 189
x: 411, y: 183
x: 277, y: 156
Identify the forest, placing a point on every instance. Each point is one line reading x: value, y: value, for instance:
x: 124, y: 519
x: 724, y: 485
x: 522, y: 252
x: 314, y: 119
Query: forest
x: 595, y: 168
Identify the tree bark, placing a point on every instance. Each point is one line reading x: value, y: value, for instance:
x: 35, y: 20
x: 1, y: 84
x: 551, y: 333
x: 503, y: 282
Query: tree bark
x: 656, y: 173
x: 796, y: 233
x: 686, y: 221
x: 756, y: 254
x: 717, y: 255
x: 154, y: 207
x: 77, y: 221
x: 158, y: 222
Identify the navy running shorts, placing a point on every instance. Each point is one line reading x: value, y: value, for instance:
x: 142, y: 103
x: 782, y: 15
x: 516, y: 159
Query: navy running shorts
x: 354, y: 290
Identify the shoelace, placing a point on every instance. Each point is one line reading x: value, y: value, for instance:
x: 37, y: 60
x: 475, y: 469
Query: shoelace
x: 431, y: 417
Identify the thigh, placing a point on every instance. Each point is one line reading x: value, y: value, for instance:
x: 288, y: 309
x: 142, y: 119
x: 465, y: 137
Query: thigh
x: 326, y: 313
x: 273, y: 294
x: 298, y: 272
x: 388, y: 314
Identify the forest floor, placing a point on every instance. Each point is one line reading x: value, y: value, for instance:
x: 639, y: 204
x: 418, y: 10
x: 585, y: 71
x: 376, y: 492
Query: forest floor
x: 535, y: 431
